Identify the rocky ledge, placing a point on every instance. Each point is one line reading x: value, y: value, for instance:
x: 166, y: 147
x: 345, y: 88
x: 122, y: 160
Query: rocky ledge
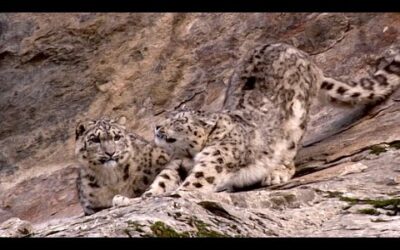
x: 53, y: 74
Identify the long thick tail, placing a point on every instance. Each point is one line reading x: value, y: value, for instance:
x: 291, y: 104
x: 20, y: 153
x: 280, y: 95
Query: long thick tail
x: 374, y: 88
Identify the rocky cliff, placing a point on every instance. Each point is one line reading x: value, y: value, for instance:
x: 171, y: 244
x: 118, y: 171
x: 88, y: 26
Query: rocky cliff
x: 56, y: 69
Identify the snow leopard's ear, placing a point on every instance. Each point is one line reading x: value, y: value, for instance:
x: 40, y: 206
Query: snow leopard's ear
x: 137, y: 140
x: 172, y: 113
x: 82, y: 127
x: 79, y: 130
x: 121, y: 120
x: 208, y: 123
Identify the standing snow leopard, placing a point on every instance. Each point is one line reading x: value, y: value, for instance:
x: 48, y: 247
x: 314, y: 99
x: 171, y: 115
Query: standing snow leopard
x: 114, y: 162
x: 256, y: 137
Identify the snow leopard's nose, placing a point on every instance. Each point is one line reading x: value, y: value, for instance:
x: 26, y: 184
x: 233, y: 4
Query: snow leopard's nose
x: 110, y: 154
x: 109, y: 148
x: 159, y: 130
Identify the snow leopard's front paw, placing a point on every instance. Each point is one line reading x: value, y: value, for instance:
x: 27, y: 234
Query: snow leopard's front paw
x: 279, y: 175
x: 147, y: 194
x: 121, y: 201
x: 154, y: 192
x: 161, y: 186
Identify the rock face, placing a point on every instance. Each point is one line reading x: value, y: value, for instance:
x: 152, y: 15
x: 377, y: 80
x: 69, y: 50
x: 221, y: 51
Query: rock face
x: 54, y: 73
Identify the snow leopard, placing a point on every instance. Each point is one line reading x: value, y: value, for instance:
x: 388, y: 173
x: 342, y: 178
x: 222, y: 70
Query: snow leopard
x: 255, y: 137
x: 113, y: 162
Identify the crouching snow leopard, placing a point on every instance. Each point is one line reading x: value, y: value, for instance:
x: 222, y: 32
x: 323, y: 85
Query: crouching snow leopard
x: 114, y: 162
x: 209, y: 149
x: 256, y: 136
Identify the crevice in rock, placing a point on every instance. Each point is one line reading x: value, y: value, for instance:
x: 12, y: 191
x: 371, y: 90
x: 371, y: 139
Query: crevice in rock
x: 188, y: 99
x: 216, y: 209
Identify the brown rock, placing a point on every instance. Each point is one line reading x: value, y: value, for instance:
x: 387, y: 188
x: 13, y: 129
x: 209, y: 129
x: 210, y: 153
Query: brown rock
x: 141, y: 66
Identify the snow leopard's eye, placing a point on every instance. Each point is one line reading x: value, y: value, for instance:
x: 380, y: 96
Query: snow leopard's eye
x: 94, y: 139
x: 179, y: 128
x: 170, y: 140
x: 117, y: 137
x: 182, y: 120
